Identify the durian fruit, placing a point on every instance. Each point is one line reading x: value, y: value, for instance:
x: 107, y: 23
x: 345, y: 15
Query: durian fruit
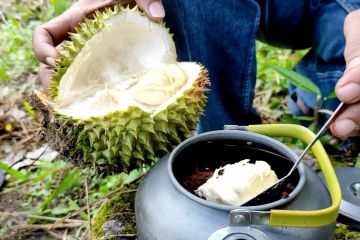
x: 118, y: 99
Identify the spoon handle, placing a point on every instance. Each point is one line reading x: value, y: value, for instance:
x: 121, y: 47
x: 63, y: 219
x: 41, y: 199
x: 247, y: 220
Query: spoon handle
x: 323, y: 130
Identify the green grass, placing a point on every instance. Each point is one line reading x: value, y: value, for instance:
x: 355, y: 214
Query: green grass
x: 16, y: 36
x: 271, y: 87
x: 55, y: 189
x: 16, y: 27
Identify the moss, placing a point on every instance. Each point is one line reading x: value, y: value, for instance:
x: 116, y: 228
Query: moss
x: 120, y: 208
x: 342, y: 232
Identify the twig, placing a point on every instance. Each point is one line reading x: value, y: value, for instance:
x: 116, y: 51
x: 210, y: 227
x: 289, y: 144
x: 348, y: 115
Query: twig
x: 39, y: 156
x: 83, y: 236
x: 28, y: 138
x: 117, y: 235
x: 53, y: 234
x: 95, y: 202
x: 64, y: 237
x: 112, y: 216
x: 47, y: 226
x: 16, y: 134
x: 316, y: 111
x: 5, y: 136
x: 38, y: 129
x: 136, y: 179
x: 23, y: 127
x: 3, y: 17
x: 88, y: 206
x: 80, y: 210
x: 19, y: 214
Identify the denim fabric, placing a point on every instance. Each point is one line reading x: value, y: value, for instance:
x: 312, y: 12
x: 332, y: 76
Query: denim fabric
x: 221, y: 35
x: 324, y: 64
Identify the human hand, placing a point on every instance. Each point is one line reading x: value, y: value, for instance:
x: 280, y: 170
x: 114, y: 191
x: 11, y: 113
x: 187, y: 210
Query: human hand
x: 48, y: 37
x: 348, y: 87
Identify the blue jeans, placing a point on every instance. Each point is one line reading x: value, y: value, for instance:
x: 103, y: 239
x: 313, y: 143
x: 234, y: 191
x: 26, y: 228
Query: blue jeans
x: 221, y: 35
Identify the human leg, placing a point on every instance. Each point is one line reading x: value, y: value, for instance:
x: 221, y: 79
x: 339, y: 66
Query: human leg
x: 322, y: 28
x: 315, y: 24
x: 220, y: 35
x: 324, y: 64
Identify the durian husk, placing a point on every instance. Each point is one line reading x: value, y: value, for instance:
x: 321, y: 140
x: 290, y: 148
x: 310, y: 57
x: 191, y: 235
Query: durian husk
x: 122, y: 141
x: 118, y: 141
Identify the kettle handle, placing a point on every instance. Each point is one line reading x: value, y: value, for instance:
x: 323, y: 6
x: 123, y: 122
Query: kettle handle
x: 296, y: 218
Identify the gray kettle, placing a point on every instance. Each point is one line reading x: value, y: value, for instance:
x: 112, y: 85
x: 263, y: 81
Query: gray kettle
x: 167, y: 208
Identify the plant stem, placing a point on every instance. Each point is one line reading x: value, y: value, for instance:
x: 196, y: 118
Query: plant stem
x: 19, y: 214
x: 88, y: 206
x: 316, y: 112
x: 48, y: 226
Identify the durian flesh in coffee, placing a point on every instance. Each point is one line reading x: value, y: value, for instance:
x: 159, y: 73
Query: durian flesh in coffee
x: 118, y: 97
x: 236, y: 184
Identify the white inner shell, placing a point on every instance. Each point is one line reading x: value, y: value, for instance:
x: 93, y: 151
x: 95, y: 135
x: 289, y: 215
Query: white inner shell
x: 131, y: 62
x: 235, y: 184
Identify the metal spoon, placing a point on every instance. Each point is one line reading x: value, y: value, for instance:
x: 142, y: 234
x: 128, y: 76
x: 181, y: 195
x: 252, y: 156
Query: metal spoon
x: 323, y: 130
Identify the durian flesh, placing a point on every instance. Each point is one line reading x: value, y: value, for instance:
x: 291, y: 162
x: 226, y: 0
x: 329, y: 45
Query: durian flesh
x: 119, y: 99
x: 151, y: 91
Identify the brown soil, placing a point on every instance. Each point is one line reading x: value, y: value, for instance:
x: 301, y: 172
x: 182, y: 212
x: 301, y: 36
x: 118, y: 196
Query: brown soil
x: 10, y: 202
x: 195, y: 180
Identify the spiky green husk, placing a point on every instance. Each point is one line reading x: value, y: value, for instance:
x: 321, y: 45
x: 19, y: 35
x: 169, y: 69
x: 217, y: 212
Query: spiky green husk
x: 119, y: 141
x: 122, y: 141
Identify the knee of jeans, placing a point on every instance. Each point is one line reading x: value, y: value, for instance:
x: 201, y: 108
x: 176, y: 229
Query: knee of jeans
x: 296, y: 94
x: 349, y: 5
x: 328, y: 37
x: 292, y: 104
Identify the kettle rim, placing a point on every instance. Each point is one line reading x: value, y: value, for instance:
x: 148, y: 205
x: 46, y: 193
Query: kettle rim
x: 244, y: 136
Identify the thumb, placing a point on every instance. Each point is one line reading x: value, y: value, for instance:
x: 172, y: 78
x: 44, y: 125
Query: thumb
x: 348, y: 87
x: 153, y: 9
x: 352, y: 35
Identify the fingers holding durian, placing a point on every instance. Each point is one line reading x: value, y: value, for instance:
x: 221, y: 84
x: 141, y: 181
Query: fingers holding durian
x: 153, y: 8
x: 48, y: 37
x: 45, y: 72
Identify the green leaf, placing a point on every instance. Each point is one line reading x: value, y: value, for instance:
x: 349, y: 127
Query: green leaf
x: 59, y: 6
x: 289, y: 118
x: 304, y: 118
x: 297, y: 79
x: 29, y: 109
x: 12, y: 172
x: 357, y: 164
x: 3, y: 75
x: 132, y: 176
x: 67, y: 181
x: 331, y: 95
x: 325, y: 139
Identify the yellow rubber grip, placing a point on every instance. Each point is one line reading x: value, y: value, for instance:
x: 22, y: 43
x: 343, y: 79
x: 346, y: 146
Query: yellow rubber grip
x: 296, y: 218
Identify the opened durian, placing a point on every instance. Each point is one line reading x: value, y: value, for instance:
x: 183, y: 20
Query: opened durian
x: 118, y: 97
